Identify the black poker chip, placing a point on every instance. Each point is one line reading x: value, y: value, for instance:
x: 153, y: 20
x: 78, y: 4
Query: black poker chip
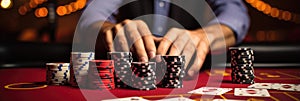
x: 142, y: 70
x: 242, y: 60
x: 175, y: 63
x: 171, y: 86
x: 150, y: 78
x: 144, y: 74
x: 170, y: 58
x: 243, y: 71
x: 243, y: 81
x: 149, y: 87
x: 112, y: 55
x: 242, y: 76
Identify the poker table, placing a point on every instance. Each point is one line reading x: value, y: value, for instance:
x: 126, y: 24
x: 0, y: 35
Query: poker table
x: 33, y: 80
x: 23, y: 75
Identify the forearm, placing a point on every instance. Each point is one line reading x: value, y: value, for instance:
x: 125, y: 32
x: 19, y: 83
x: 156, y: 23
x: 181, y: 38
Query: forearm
x: 233, y: 14
x: 219, y: 36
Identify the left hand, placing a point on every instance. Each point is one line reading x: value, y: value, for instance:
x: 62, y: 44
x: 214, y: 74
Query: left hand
x: 186, y: 42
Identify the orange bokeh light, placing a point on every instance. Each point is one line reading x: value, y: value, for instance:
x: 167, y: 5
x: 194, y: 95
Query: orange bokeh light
x: 41, y: 12
x: 286, y: 15
x: 32, y: 4
x: 61, y: 10
x: 81, y: 3
x: 267, y: 10
x: 69, y: 9
x: 22, y: 10
x: 74, y: 5
x: 274, y: 12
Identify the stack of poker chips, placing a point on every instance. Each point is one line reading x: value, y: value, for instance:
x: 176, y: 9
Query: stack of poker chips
x: 242, y: 65
x: 174, y: 72
x: 79, y: 67
x: 57, y: 73
x: 122, y: 63
x: 143, y: 75
x: 101, y: 74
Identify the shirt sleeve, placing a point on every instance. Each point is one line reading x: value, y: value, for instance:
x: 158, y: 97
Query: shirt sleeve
x: 232, y: 13
x: 100, y: 10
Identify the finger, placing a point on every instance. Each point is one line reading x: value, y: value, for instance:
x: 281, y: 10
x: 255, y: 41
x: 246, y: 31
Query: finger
x: 188, y: 52
x: 108, y: 39
x: 179, y: 43
x: 147, y: 38
x: 202, y: 50
x: 135, y: 39
x: 167, y: 41
x: 157, y: 39
x: 120, y: 41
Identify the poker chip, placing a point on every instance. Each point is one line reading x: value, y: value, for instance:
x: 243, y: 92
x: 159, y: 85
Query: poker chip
x: 57, y: 73
x: 101, y: 74
x: 79, y: 68
x: 78, y: 55
x: 242, y: 59
x: 122, y: 64
x: 143, y: 75
x: 117, y: 55
x: 174, y: 71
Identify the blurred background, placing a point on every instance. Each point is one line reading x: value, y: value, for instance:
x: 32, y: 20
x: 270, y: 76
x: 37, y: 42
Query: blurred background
x: 30, y: 28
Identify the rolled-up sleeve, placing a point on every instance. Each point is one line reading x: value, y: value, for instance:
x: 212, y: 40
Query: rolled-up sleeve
x: 232, y: 13
x: 99, y: 10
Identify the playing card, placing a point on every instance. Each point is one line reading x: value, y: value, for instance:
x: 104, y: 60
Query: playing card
x: 251, y: 92
x: 227, y: 100
x: 297, y: 87
x: 127, y: 99
x: 287, y: 87
x: 261, y: 85
x: 210, y: 91
x: 177, y: 99
x: 276, y: 86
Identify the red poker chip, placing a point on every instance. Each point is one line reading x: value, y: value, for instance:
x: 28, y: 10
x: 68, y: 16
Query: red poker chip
x: 105, y: 67
x: 98, y: 85
x: 104, y: 84
x: 106, y: 71
x: 108, y: 80
x: 106, y: 75
x: 110, y: 87
x: 103, y: 62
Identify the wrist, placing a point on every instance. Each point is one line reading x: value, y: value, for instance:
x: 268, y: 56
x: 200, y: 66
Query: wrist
x: 106, y: 26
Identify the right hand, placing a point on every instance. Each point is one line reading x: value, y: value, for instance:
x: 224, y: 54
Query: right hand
x: 128, y: 35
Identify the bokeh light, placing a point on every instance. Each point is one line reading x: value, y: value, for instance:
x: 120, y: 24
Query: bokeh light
x: 6, y: 4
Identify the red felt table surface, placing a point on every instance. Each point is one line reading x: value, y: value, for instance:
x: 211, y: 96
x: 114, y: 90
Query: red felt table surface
x: 215, y: 76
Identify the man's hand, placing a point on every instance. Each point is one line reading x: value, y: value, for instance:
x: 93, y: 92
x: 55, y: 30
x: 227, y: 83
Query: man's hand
x: 195, y: 42
x: 128, y: 35
x: 185, y: 42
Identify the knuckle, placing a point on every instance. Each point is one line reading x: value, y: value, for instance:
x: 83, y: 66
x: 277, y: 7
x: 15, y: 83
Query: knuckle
x: 122, y: 42
x: 139, y: 21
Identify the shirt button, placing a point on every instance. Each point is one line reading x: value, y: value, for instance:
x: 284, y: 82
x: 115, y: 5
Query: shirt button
x: 161, y: 4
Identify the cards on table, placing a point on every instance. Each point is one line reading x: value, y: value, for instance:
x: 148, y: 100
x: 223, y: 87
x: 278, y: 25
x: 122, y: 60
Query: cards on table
x: 227, y: 100
x: 127, y: 99
x: 210, y: 91
x: 254, y: 92
x: 177, y: 99
x: 276, y: 86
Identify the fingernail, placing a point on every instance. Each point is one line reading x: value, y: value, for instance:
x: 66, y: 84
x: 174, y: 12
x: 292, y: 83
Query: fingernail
x: 152, y: 55
x: 143, y: 59
x: 158, y: 58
